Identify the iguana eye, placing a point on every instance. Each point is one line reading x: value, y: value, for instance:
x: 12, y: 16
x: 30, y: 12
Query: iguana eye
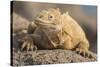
x: 50, y: 16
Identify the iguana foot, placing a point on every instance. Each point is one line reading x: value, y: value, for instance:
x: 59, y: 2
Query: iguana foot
x: 85, y: 53
x: 28, y: 44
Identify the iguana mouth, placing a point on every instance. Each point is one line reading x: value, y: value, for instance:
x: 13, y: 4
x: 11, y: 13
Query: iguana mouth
x: 43, y: 22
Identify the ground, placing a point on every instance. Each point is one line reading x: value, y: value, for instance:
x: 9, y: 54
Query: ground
x: 41, y: 57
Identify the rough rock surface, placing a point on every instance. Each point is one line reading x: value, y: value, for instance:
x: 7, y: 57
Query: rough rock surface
x: 40, y: 57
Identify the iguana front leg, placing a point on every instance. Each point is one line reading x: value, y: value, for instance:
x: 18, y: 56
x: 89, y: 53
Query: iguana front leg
x: 28, y: 43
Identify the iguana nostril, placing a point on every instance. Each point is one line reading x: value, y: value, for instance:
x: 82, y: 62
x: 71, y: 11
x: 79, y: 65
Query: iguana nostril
x: 40, y: 16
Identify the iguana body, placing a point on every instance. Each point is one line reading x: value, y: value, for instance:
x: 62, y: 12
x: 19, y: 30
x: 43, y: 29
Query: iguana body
x: 56, y: 30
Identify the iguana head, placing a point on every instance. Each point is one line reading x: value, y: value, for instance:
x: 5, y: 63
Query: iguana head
x: 48, y: 17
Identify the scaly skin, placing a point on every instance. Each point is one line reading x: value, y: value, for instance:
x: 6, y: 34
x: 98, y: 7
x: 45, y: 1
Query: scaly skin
x: 55, y: 30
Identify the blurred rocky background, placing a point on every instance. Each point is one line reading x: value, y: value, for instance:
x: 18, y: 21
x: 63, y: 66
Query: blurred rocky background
x: 22, y: 13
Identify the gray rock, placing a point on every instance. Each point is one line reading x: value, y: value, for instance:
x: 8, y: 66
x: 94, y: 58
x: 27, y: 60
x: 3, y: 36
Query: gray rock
x: 40, y: 57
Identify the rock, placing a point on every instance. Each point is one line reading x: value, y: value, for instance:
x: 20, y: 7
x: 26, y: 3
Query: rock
x: 40, y: 57
x: 19, y: 23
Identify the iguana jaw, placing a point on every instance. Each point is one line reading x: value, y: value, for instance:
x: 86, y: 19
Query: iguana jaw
x: 47, y: 24
x: 43, y: 22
